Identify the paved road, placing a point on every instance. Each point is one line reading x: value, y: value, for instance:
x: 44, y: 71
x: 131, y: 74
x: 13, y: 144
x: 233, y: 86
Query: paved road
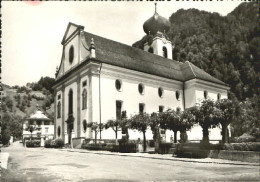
x: 40, y: 164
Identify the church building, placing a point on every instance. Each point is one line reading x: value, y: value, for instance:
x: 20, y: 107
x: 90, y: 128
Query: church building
x: 99, y: 78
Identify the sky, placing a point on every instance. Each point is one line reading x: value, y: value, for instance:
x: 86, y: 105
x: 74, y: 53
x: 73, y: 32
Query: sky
x: 32, y: 31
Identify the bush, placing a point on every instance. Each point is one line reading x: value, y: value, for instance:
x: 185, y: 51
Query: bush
x: 59, y: 143
x: 164, y: 148
x: 250, y: 146
x: 47, y: 144
x: 93, y: 146
x: 33, y: 143
x: 127, y: 147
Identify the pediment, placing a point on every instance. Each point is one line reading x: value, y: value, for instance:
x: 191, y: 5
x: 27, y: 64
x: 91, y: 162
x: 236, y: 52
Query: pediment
x: 70, y: 31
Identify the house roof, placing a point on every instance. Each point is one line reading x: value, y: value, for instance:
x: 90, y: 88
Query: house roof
x: 38, y: 115
x: 118, y: 54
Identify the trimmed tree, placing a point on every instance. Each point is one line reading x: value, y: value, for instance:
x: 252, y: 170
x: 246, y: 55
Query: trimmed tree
x: 154, y: 124
x: 170, y: 120
x: 140, y: 122
x: 205, y: 115
x: 115, y: 125
x: 226, y: 115
x: 186, y: 122
x: 96, y: 128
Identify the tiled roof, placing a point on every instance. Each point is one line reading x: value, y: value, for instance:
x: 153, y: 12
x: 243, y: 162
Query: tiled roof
x: 118, y: 54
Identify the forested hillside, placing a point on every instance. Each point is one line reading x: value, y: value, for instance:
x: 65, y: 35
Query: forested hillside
x: 19, y: 103
x: 227, y: 47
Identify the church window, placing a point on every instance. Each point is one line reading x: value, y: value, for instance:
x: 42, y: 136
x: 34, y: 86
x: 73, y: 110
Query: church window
x: 58, y: 131
x: 84, y: 99
x: 150, y: 50
x: 205, y: 94
x: 84, y: 126
x: 161, y: 108
x: 165, y: 54
x: 177, y: 94
x: 84, y: 83
x: 59, y: 96
x: 58, y: 110
x: 160, y: 92
x: 71, y: 54
x: 141, y: 108
x: 118, y: 109
x: 141, y: 88
x: 118, y: 85
x: 219, y: 96
x: 70, y: 102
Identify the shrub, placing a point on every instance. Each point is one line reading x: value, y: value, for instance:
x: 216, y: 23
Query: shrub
x: 47, y: 144
x: 164, y: 148
x: 127, y: 147
x: 59, y: 143
x: 33, y: 143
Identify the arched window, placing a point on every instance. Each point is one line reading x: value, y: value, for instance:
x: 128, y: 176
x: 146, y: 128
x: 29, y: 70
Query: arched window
x: 219, y: 96
x: 205, y: 94
x: 59, y: 110
x: 177, y: 94
x: 84, y: 99
x: 84, y: 126
x: 70, y: 102
x: 165, y: 53
x: 141, y: 88
x: 58, y: 131
x: 71, y: 54
x: 150, y: 50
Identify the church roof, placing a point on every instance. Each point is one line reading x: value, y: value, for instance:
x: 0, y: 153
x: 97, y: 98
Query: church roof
x: 118, y: 54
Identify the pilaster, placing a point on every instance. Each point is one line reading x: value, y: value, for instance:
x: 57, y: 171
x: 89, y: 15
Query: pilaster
x: 78, y: 106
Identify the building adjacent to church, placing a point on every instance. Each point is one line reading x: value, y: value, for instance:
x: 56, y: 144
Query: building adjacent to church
x: 99, y: 78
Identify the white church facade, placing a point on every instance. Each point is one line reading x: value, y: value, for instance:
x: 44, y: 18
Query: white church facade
x: 99, y: 78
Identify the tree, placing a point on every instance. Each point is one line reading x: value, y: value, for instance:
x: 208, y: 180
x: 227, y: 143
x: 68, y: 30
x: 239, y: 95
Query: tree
x: 96, y: 128
x: 186, y: 122
x: 170, y: 121
x: 226, y: 114
x: 204, y: 115
x: 115, y: 125
x: 154, y: 124
x: 140, y: 122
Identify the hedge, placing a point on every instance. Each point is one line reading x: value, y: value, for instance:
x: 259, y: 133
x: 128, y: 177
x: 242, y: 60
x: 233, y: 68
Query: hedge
x: 164, y: 148
x: 249, y: 146
x: 33, y: 143
x: 122, y: 147
x: 57, y: 143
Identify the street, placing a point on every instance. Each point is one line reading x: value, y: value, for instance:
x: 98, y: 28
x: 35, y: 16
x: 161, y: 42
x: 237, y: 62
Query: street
x: 41, y: 164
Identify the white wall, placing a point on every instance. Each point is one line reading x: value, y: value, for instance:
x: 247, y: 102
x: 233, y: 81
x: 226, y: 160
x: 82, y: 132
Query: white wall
x: 131, y: 98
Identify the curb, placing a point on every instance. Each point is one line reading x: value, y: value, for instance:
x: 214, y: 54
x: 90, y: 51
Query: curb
x: 4, y: 159
x: 161, y: 158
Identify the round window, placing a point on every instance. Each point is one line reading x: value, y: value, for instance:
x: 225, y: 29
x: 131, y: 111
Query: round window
x: 160, y: 92
x: 71, y: 54
x: 205, y: 94
x: 141, y: 88
x: 59, y: 131
x: 84, y: 125
x: 118, y: 84
x: 177, y: 94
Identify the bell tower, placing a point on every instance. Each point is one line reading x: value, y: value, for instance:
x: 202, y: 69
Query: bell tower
x: 156, y: 28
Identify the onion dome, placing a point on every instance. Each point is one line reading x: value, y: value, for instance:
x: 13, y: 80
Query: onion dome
x: 156, y: 24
